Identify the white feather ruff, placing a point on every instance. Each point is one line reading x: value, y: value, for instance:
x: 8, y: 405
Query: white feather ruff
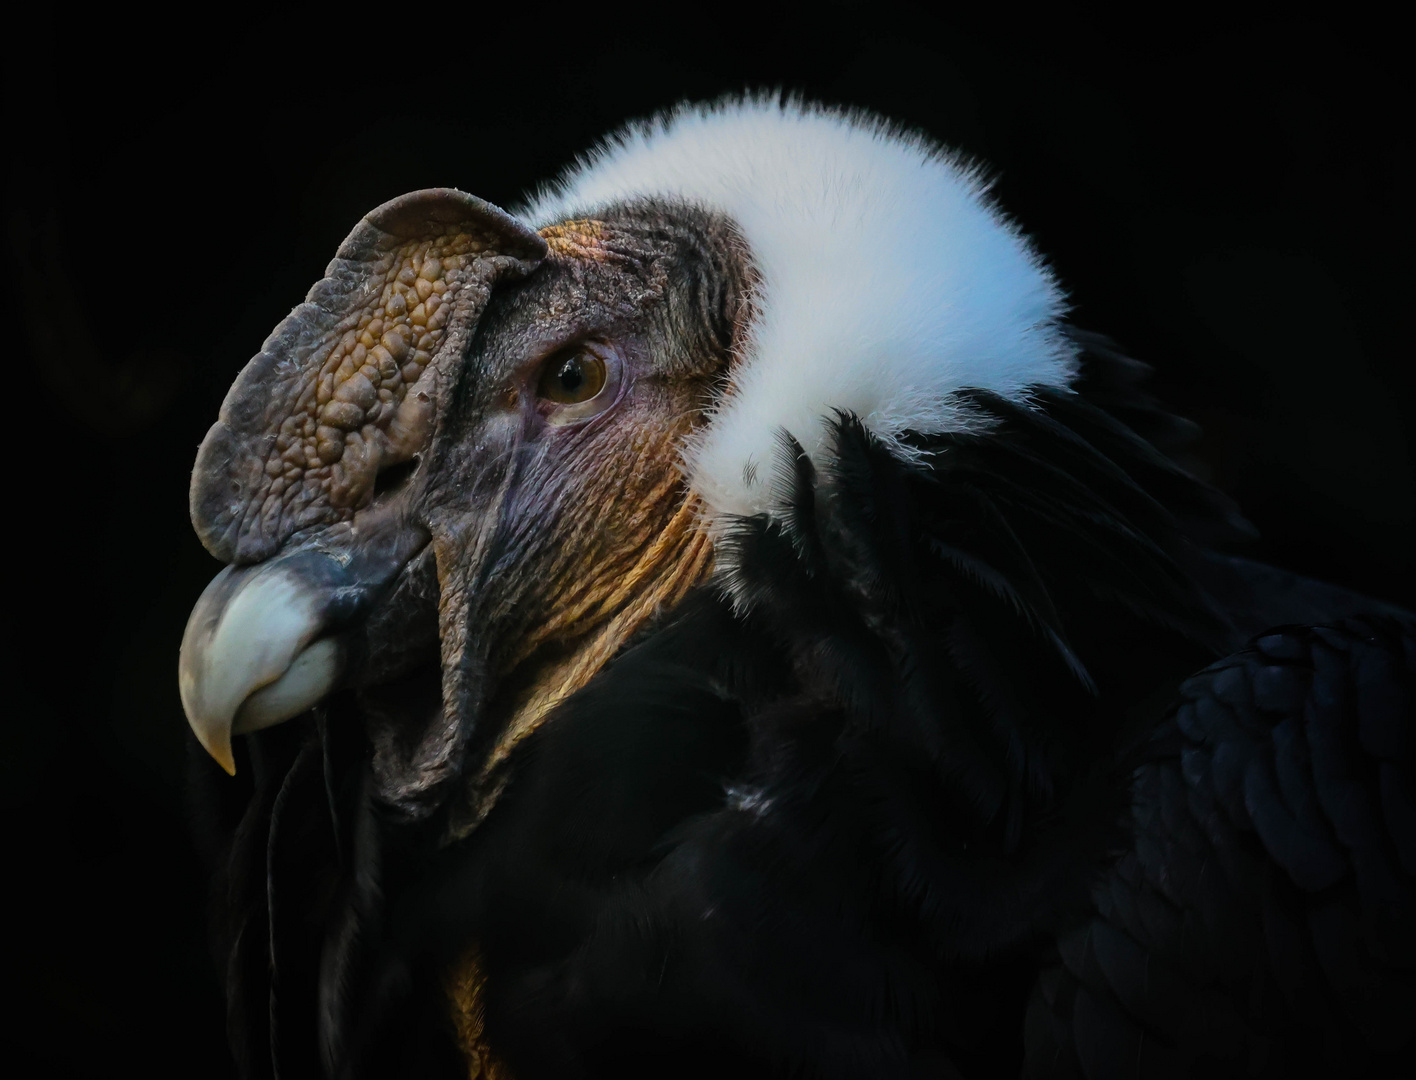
x: 887, y: 280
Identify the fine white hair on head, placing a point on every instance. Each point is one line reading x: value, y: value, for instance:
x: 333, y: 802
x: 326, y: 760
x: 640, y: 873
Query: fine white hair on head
x: 887, y: 280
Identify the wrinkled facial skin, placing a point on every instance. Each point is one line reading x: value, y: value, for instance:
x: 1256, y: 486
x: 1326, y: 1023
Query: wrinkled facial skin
x: 525, y: 538
x: 547, y: 533
x: 554, y: 513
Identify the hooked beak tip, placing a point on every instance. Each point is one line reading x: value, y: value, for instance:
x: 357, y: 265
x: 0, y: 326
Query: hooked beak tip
x: 220, y: 751
x: 245, y: 634
x: 215, y: 738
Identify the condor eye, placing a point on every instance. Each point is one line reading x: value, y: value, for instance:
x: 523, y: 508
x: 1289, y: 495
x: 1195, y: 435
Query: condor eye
x: 579, y: 382
x: 569, y: 380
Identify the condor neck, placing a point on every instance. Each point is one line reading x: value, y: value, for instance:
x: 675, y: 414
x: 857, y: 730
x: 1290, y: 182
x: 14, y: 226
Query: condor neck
x: 679, y: 557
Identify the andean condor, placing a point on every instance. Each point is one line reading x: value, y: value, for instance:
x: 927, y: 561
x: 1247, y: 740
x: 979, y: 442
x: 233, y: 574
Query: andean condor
x: 722, y: 620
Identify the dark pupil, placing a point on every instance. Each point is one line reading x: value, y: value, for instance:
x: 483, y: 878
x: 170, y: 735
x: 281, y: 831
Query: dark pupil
x: 571, y: 377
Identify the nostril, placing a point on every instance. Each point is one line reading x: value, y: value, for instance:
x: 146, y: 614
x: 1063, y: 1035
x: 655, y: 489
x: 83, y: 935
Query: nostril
x: 390, y: 479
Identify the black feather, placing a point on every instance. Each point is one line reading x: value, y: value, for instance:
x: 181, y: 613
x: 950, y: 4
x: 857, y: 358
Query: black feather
x: 1286, y: 936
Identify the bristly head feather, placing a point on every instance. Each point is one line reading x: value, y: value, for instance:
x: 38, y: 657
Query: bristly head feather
x: 886, y: 279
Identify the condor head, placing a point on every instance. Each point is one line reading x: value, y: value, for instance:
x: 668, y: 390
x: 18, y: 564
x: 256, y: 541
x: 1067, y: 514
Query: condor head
x: 452, y: 482
x: 480, y: 457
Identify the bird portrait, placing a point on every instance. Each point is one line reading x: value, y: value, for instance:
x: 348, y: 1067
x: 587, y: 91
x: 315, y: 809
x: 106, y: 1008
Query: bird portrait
x: 727, y: 543
x: 725, y: 615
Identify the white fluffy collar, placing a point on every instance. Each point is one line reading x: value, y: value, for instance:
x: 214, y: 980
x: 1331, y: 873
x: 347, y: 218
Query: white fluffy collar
x: 887, y: 279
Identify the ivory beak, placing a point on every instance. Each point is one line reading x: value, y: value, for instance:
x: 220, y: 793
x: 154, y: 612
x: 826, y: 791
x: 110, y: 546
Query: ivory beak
x: 252, y: 654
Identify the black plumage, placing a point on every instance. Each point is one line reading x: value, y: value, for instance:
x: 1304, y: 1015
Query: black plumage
x: 1259, y: 920
x: 929, y: 788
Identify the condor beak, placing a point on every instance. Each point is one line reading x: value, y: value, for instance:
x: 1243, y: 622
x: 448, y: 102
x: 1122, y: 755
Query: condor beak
x: 263, y: 643
x: 249, y: 655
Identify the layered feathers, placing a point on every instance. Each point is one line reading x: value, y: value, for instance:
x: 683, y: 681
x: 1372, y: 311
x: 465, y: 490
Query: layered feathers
x: 1260, y: 921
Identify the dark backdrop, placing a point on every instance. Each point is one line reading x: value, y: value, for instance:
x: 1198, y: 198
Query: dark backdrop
x: 1222, y: 197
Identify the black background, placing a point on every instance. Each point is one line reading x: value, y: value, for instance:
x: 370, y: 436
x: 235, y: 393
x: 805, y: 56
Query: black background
x: 1222, y: 196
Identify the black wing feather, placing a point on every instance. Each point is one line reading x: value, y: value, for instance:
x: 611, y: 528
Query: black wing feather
x: 1264, y: 895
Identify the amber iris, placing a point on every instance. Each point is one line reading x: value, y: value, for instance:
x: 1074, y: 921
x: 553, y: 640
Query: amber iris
x: 572, y: 378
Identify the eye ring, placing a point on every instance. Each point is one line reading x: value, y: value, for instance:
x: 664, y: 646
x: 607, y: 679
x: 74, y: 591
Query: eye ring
x: 579, y: 382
